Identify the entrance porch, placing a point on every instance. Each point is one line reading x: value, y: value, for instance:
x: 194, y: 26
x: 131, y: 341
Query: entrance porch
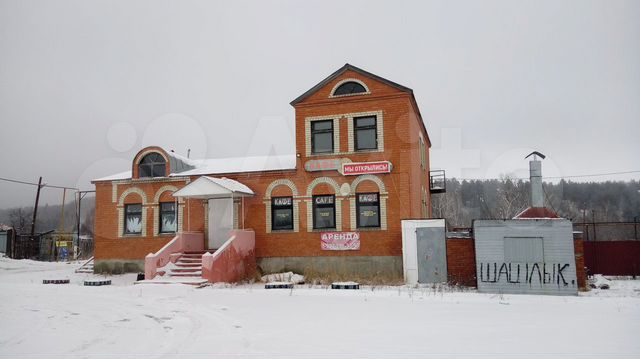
x: 224, y: 252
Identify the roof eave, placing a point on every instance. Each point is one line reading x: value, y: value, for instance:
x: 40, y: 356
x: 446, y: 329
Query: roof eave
x: 341, y: 70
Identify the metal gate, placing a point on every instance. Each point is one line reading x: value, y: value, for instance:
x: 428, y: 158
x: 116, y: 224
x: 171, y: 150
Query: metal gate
x: 432, y: 255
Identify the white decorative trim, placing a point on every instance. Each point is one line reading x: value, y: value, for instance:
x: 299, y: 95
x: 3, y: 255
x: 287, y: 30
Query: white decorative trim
x: 152, y: 180
x: 382, y: 198
x: 267, y: 211
x: 156, y: 222
x: 338, y: 209
x: 380, y: 129
x: 328, y: 180
x: 140, y: 156
x: 131, y: 190
x: 114, y: 192
x: 159, y: 192
x: 120, y: 206
x: 373, y: 178
x: 350, y: 132
x: 383, y: 212
x: 156, y: 206
x: 368, y: 92
x: 296, y: 216
x: 352, y: 210
x: 144, y: 221
x: 336, y: 135
x: 267, y: 203
x: 338, y: 201
x: 281, y: 182
x: 120, y: 233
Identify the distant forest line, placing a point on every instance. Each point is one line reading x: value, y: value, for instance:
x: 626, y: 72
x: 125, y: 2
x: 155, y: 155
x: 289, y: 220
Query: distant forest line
x: 464, y: 201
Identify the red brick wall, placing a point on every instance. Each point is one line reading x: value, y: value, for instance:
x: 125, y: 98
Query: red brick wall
x: 461, y: 261
x: 581, y: 274
x: 403, y: 184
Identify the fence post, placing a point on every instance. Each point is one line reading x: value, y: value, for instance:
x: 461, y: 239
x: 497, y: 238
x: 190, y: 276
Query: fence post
x: 593, y: 217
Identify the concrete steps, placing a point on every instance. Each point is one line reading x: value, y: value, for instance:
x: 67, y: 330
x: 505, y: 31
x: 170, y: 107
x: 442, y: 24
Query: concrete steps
x: 188, y: 267
x: 186, y: 270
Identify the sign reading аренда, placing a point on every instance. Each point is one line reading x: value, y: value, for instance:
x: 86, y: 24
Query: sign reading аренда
x: 366, y: 168
x: 340, y: 241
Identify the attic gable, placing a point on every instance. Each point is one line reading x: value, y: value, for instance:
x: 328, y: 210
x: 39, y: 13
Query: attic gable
x: 373, y: 84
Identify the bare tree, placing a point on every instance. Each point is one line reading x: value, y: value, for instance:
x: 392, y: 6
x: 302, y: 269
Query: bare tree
x: 88, y: 223
x: 20, y: 218
x: 511, y: 197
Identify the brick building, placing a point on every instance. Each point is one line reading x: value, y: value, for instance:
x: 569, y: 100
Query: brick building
x: 361, y: 164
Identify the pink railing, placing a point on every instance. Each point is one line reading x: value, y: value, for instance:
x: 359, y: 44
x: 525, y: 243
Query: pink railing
x: 235, y: 260
x: 182, y: 242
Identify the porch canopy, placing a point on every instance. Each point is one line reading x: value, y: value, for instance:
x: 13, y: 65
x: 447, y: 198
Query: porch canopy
x: 210, y: 187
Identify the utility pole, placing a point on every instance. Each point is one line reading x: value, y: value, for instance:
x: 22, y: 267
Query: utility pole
x: 77, y: 249
x: 35, y: 210
x: 81, y: 195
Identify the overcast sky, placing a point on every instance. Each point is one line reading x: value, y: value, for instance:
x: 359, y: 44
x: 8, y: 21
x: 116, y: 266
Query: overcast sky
x: 85, y: 84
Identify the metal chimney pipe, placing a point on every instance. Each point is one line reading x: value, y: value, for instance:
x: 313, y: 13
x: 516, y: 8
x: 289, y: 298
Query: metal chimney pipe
x: 535, y: 176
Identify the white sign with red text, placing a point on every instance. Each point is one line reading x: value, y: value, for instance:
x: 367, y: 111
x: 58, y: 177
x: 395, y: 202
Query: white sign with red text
x: 340, y: 241
x: 362, y: 168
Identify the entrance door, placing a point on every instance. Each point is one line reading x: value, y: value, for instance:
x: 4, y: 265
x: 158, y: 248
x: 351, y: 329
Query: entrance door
x: 220, y: 221
x: 432, y: 255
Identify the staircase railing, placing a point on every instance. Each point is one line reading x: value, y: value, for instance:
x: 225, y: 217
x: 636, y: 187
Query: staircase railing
x: 182, y: 242
x: 85, y: 264
x: 235, y: 260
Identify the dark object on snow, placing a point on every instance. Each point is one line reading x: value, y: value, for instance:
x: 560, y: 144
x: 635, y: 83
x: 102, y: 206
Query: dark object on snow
x: 593, y: 286
x: 278, y: 286
x: 97, y: 283
x: 345, y: 285
x: 604, y: 286
x: 140, y: 276
x: 55, y: 281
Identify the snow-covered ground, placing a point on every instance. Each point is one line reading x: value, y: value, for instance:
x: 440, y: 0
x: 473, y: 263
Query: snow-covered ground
x: 179, y: 321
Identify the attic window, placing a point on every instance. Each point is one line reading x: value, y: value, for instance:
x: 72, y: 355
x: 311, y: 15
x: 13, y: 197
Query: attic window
x: 152, y: 165
x: 350, y: 88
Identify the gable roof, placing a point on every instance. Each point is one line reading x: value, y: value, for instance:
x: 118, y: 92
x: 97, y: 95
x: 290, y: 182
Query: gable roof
x: 347, y: 67
x: 339, y: 72
x: 536, y: 213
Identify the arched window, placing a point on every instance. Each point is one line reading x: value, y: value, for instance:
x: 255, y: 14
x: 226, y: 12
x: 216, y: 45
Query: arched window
x: 348, y: 88
x: 152, y: 165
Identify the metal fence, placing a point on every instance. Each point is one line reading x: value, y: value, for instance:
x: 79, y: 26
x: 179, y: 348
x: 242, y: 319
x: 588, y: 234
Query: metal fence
x: 27, y: 247
x: 52, y: 246
x: 608, y: 231
x: 612, y: 257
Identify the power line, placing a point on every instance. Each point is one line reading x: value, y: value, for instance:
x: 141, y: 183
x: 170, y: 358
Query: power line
x: 552, y: 177
x: 35, y: 184
x: 596, y: 174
